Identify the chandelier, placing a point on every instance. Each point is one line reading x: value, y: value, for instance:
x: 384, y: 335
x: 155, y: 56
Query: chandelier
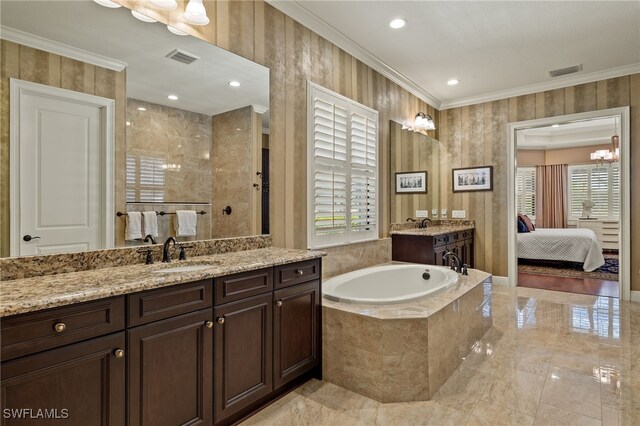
x: 611, y: 155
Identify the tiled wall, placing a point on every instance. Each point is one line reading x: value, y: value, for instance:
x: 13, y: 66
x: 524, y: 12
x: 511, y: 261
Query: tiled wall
x: 343, y: 259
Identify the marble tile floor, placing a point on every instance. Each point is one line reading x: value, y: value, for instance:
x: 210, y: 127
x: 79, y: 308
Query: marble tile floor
x: 550, y: 359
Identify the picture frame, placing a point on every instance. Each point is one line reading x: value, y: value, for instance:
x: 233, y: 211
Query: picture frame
x: 472, y: 179
x: 411, y: 182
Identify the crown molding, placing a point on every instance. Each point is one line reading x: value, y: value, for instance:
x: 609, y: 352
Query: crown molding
x: 557, y: 83
x: 37, y: 42
x: 298, y: 12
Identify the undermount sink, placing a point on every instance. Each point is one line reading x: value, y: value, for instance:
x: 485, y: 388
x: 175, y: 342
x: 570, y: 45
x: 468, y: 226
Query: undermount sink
x: 184, y: 268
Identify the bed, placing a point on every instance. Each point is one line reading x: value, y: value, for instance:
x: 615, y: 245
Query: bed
x: 569, y: 245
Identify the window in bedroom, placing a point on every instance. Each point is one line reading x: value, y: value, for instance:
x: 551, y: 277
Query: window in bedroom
x: 526, y: 191
x: 342, y: 170
x: 598, y: 183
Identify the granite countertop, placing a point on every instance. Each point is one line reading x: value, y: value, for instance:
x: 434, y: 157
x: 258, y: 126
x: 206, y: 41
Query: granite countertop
x: 49, y: 291
x: 434, y: 230
x: 419, y: 308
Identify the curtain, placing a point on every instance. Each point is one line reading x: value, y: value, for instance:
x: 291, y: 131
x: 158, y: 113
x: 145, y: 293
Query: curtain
x: 551, y: 196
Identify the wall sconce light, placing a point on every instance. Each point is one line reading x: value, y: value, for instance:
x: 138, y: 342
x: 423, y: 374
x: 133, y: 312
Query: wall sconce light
x: 195, y: 13
x: 422, y: 123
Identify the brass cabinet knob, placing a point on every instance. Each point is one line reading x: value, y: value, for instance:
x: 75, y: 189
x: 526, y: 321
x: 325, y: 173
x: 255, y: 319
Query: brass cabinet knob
x: 118, y: 353
x: 220, y: 320
x: 209, y: 324
x: 279, y: 303
x: 299, y: 272
x: 60, y: 327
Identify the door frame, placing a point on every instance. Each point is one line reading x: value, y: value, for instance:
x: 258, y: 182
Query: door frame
x: 624, y: 281
x: 18, y: 88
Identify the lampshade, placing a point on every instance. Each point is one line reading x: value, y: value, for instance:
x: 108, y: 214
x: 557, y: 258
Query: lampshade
x: 107, y: 3
x: 141, y: 17
x: 195, y: 13
x: 176, y: 31
x: 424, y: 122
x: 164, y: 4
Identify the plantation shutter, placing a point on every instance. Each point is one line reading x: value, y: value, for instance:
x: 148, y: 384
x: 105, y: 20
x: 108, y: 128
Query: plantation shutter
x: 526, y: 191
x: 342, y: 166
x: 615, y: 191
x: 579, y: 189
x: 600, y: 191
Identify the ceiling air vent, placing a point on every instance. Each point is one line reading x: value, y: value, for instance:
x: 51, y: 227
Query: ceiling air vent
x: 565, y: 71
x: 182, y: 56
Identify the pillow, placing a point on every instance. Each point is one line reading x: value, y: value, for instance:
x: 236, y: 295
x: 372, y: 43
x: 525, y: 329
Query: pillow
x: 527, y: 222
x: 522, y: 227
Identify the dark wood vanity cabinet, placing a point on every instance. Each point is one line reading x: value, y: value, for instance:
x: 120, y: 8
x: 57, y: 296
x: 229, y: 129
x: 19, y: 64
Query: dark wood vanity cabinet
x: 206, y: 352
x: 78, y: 384
x: 430, y: 249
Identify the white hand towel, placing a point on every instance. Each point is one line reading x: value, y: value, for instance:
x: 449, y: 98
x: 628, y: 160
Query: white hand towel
x: 185, y: 223
x: 150, y: 223
x: 133, y: 230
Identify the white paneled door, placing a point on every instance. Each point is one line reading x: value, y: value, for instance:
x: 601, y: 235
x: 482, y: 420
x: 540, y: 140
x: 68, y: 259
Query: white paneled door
x: 62, y: 170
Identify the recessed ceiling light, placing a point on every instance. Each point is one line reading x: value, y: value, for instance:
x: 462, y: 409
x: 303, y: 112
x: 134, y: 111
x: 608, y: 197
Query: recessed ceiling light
x: 453, y: 82
x: 176, y: 31
x: 141, y: 109
x: 128, y: 123
x: 398, y: 23
x: 173, y: 97
x: 234, y: 83
x: 107, y: 3
x: 555, y: 125
x: 144, y: 18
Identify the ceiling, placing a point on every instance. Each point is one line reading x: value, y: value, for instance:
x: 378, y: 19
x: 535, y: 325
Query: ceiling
x: 114, y: 33
x: 495, y: 48
x: 574, y: 134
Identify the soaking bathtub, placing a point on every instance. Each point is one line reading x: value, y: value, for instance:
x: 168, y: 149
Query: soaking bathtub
x: 387, y: 284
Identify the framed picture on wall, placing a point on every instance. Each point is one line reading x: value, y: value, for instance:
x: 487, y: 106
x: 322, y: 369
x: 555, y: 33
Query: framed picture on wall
x: 471, y: 179
x: 411, y: 182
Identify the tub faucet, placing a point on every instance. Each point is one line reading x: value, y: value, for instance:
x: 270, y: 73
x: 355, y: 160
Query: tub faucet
x: 457, y: 262
x: 166, y: 255
x: 423, y: 223
x: 150, y: 238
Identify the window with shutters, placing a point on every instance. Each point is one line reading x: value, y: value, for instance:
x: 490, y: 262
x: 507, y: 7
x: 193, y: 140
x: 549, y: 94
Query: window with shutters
x: 342, y: 170
x: 598, y: 183
x: 526, y: 191
x: 145, y: 179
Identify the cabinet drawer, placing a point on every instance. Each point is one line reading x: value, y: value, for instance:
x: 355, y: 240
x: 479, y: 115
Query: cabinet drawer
x: 440, y: 240
x: 39, y: 331
x: 467, y: 234
x: 238, y: 286
x: 154, y: 305
x: 296, y: 273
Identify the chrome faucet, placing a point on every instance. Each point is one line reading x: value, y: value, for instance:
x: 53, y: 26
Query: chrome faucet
x: 166, y: 255
x: 423, y: 223
x: 150, y: 238
x: 458, y: 266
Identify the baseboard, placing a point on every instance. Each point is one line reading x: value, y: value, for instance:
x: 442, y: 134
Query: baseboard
x: 635, y: 296
x: 498, y: 280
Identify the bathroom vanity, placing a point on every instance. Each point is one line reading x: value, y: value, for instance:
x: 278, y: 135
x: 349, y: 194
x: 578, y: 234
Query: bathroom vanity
x: 428, y: 245
x: 133, y: 345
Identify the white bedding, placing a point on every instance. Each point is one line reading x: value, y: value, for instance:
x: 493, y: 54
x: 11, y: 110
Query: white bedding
x: 570, y: 245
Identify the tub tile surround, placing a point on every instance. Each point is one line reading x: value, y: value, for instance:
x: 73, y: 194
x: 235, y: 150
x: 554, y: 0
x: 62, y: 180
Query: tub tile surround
x: 49, y: 291
x: 530, y: 368
x: 350, y: 257
x: 436, y: 227
x: 405, y: 352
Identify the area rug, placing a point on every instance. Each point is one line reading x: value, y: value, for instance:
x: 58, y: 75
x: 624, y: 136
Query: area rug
x: 608, y: 271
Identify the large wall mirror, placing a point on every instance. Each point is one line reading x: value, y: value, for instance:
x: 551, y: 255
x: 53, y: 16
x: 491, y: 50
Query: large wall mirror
x: 413, y: 152
x: 188, y: 129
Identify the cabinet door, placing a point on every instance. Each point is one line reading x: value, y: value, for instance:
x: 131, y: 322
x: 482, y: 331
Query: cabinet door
x: 80, y: 384
x: 170, y: 371
x: 296, y: 337
x: 243, y: 371
x: 438, y: 252
x: 469, y: 252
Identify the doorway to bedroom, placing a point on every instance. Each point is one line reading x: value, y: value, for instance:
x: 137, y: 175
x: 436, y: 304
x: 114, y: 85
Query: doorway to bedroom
x: 568, y: 204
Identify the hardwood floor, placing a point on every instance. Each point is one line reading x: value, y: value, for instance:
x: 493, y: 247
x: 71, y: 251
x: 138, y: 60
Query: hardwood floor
x: 569, y: 285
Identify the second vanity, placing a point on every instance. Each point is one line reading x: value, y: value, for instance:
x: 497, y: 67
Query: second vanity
x: 133, y: 345
x: 428, y: 245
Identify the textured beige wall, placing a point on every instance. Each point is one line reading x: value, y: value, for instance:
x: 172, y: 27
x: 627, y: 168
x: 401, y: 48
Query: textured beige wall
x: 537, y: 157
x: 233, y: 161
x: 177, y: 137
x: 26, y: 63
x: 412, y: 151
x: 477, y: 135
